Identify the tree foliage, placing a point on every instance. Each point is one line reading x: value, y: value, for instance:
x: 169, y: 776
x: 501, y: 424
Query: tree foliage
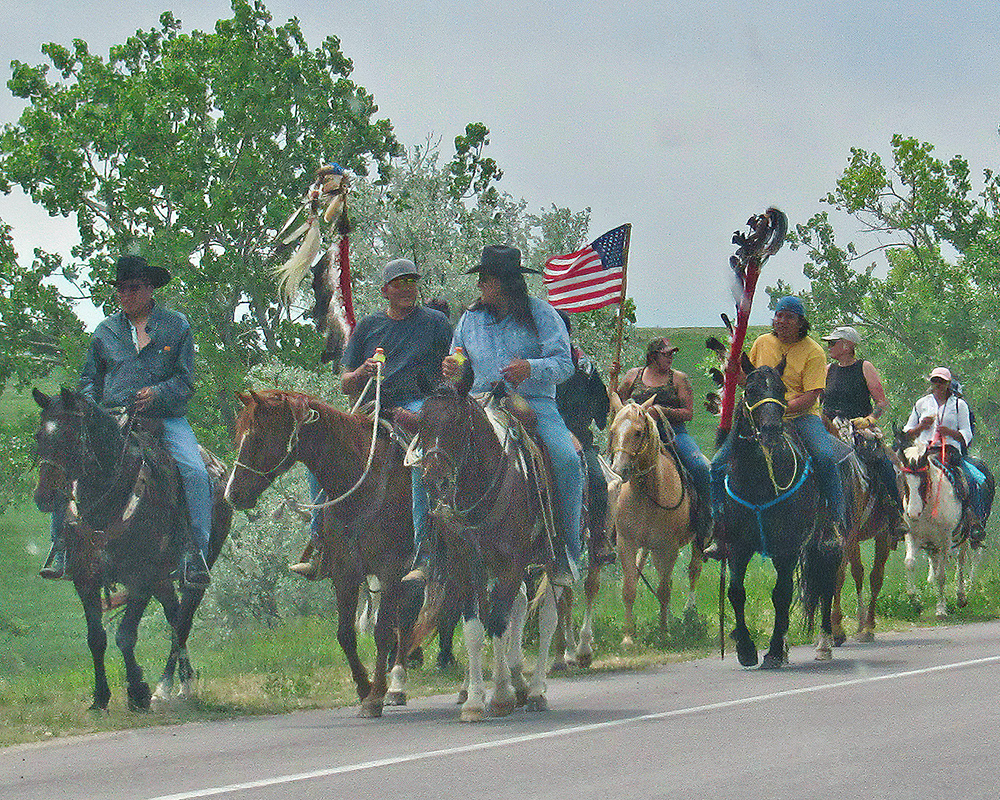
x: 192, y: 149
x: 934, y: 298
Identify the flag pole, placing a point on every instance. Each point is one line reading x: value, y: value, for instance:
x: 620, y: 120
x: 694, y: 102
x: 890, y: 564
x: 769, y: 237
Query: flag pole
x: 621, y: 306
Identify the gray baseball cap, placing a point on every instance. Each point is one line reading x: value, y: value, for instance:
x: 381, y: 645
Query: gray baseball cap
x: 844, y: 332
x: 397, y: 268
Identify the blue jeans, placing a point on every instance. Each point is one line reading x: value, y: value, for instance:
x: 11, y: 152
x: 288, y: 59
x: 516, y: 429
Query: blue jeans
x: 179, y: 440
x: 693, y: 459
x: 817, y: 441
x: 976, y: 480
x: 183, y: 447
x: 566, y: 470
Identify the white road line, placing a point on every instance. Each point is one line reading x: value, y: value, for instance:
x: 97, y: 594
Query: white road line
x: 576, y: 729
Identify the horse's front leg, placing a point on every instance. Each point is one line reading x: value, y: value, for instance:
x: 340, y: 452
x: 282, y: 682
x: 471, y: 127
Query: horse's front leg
x: 940, y: 566
x: 346, y: 589
x: 139, y: 696
x: 564, y: 639
x: 167, y: 597
x: 385, y: 635
x: 910, y: 562
x: 585, y: 644
x: 97, y: 641
x: 746, y: 650
x: 781, y: 598
x: 410, y: 599
x: 630, y: 575
x: 664, y: 563
x: 515, y: 647
x: 500, y: 627
x: 474, y: 707
x: 963, y: 552
x: 548, y: 618
x: 875, y: 580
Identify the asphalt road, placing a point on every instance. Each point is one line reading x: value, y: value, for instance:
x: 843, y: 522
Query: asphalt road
x: 911, y: 716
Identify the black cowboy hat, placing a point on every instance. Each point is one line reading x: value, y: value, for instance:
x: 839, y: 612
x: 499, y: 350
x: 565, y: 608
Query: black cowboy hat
x: 500, y: 259
x: 130, y: 268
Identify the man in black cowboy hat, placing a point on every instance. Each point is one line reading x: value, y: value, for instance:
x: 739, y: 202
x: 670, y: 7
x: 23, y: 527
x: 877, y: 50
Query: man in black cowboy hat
x: 142, y: 359
x: 520, y: 340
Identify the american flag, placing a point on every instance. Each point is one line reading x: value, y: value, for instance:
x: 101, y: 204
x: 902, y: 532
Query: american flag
x: 592, y: 277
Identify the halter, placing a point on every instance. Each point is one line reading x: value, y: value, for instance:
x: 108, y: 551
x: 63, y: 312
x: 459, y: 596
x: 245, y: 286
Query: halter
x: 456, y: 468
x: 766, y: 451
x: 647, y: 445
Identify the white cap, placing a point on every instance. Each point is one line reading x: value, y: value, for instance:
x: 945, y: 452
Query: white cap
x: 844, y: 332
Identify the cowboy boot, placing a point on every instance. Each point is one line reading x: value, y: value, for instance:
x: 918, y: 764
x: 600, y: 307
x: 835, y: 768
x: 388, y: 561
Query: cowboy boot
x: 310, y: 563
x: 55, y: 566
x: 194, y: 572
x: 715, y: 542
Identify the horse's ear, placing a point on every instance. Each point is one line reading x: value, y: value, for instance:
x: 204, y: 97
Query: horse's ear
x: 256, y: 397
x: 781, y: 366
x: 244, y: 398
x: 745, y: 364
x: 649, y: 403
x: 68, y: 398
x: 616, y: 401
x: 40, y: 397
x: 465, y: 382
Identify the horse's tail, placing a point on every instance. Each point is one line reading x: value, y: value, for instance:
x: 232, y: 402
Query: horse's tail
x: 818, y: 566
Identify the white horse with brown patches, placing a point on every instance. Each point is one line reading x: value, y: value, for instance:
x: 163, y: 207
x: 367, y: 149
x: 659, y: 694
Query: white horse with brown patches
x: 653, y: 511
x: 934, y: 513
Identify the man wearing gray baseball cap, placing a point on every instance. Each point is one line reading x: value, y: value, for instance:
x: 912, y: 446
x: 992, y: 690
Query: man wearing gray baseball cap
x: 414, y: 340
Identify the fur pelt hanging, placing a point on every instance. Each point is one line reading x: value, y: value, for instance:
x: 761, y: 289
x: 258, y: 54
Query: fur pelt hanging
x: 333, y: 311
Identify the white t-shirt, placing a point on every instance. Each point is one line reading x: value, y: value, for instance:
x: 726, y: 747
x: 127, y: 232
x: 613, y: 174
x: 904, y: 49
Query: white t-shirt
x: 953, y: 413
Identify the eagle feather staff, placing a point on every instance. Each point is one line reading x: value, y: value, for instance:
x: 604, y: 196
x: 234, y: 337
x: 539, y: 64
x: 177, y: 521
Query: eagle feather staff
x: 767, y: 233
x: 333, y: 311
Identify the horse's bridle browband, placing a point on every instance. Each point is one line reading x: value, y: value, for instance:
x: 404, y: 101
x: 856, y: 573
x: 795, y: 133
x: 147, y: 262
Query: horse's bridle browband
x: 290, y: 445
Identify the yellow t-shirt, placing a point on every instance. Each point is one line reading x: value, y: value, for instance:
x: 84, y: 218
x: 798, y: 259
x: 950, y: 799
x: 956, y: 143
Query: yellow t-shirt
x: 805, y: 365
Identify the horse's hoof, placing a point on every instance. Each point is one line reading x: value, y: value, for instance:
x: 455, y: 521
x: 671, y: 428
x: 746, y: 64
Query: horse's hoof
x: 521, y: 697
x: 839, y: 639
x: 584, y: 660
x: 867, y: 636
x: 463, y: 696
x: 370, y: 709
x: 962, y: 601
x: 395, y: 699
x: 746, y: 655
x: 502, y: 708
x: 559, y: 666
x: 537, y: 703
x: 771, y: 662
x: 472, y: 715
x: 139, y: 698
x: 823, y: 654
x: 939, y: 614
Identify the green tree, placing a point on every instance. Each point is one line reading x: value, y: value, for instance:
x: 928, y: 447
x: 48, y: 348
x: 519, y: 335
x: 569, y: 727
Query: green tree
x: 939, y: 299
x: 192, y: 149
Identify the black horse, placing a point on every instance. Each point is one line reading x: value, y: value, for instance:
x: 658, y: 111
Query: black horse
x: 772, y: 507
x: 125, y: 525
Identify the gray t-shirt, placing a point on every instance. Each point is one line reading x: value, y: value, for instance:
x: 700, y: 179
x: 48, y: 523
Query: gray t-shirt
x: 414, y: 348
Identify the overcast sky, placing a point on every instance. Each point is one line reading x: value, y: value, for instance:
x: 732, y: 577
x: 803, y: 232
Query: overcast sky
x: 682, y: 118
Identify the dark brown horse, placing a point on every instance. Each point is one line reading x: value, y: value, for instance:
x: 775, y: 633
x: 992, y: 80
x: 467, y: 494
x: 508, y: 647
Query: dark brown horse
x: 873, y: 517
x: 125, y: 525
x: 375, y: 531
x: 486, y: 512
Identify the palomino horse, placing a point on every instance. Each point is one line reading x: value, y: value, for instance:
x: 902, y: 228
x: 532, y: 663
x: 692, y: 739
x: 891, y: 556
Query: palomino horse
x: 485, y: 505
x: 653, y: 510
x: 874, y: 517
x: 125, y: 523
x: 772, y: 508
x: 375, y: 535
x: 936, y: 523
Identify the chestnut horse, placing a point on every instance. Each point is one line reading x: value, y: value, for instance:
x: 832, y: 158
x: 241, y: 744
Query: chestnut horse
x: 772, y: 507
x: 124, y: 525
x: 374, y: 536
x: 874, y: 517
x: 936, y: 523
x: 486, y: 511
x: 653, y: 510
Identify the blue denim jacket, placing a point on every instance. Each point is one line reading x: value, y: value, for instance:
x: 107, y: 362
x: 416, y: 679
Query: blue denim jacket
x: 492, y: 345
x: 114, y: 371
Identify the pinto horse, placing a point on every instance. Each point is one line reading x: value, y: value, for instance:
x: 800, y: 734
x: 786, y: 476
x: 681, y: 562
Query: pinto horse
x: 653, y: 510
x: 874, y: 517
x: 936, y: 523
x: 485, y: 507
x: 772, y: 508
x: 275, y: 430
x: 123, y: 526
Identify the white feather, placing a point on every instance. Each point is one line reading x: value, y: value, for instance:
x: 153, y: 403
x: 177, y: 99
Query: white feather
x: 296, y: 233
x: 292, y: 272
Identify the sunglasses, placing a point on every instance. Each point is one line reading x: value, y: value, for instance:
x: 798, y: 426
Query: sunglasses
x: 938, y: 380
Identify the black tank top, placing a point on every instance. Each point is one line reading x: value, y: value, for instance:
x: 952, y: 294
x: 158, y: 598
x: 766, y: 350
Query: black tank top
x: 666, y: 395
x: 846, y: 393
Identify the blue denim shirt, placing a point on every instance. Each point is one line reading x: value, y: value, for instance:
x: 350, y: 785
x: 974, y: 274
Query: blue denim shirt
x: 491, y: 345
x: 114, y: 371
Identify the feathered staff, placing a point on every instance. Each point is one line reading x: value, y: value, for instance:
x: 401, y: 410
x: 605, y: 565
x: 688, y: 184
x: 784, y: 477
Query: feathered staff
x: 767, y: 233
x: 333, y: 311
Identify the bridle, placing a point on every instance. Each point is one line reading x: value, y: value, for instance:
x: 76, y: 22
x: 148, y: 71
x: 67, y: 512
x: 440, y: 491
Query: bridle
x: 765, y: 450
x: 649, y: 442
x: 310, y: 417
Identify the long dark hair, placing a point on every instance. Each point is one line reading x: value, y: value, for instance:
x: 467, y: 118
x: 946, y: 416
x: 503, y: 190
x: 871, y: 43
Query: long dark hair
x: 515, y: 289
